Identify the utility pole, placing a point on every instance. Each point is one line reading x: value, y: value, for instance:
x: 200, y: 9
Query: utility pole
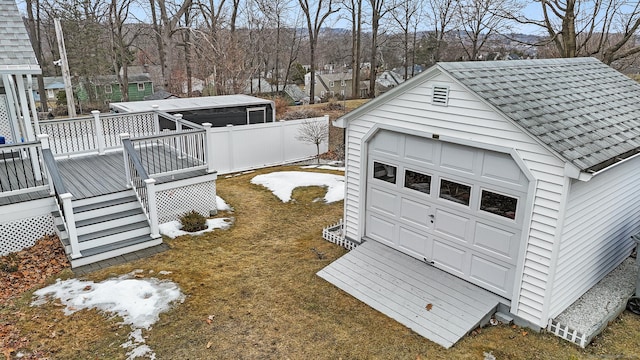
x: 66, y: 76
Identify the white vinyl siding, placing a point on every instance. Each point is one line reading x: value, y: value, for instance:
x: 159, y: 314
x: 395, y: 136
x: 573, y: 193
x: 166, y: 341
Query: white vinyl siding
x: 467, y: 118
x: 601, y: 216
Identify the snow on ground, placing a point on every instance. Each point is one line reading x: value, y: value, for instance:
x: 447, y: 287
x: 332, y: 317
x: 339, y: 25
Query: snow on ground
x: 138, y: 302
x: 172, y: 228
x: 282, y: 183
x: 222, y: 205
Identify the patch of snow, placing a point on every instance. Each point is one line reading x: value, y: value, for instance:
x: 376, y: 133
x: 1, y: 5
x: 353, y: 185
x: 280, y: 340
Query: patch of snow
x: 222, y: 205
x: 138, y: 302
x: 164, y: 272
x: 282, y: 183
x: 172, y: 228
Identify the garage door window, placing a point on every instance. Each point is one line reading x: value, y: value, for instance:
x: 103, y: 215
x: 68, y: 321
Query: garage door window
x: 499, y: 204
x: 453, y: 191
x: 417, y: 181
x: 384, y: 172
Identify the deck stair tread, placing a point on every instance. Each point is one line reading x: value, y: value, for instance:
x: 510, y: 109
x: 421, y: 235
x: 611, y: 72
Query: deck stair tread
x: 109, y: 217
x: 112, y: 231
x: 103, y: 204
x: 402, y: 288
x: 119, y: 244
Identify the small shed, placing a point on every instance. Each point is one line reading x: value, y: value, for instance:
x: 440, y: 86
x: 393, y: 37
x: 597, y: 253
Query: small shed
x: 220, y: 110
x: 520, y: 177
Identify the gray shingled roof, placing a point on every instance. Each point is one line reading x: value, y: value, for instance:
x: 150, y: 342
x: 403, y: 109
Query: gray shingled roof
x: 16, y: 53
x: 585, y: 111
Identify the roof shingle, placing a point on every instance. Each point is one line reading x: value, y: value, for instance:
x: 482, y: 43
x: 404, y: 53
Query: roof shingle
x: 585, y: 111
x: 17, y: 55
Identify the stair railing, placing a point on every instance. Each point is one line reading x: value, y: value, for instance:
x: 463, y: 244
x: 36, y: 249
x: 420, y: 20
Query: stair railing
x: 142, y: 184
x: 62, y: 196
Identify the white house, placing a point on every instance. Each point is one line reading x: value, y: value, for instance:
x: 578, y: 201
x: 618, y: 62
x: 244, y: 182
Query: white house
x: 520, y: 177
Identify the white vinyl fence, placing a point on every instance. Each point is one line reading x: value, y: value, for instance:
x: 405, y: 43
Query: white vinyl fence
x: 239, y: 148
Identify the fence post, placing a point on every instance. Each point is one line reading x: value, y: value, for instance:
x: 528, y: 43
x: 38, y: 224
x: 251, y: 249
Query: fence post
x: 127, y: 172
x: 156, y: 120
x: 99, y: 131
x: 67, y: 208
x: 153, y: 211
x: 208, y: 147
x: 230, y: 142
x: 44, y: 142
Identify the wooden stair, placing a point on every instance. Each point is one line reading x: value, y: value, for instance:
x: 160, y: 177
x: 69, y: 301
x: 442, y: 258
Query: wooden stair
x: 107, y: 226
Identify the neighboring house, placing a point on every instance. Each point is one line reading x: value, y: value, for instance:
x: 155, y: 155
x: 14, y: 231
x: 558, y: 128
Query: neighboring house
x: 52, y: 86
x: 108, y: 89
x: 520, y: 177
x: 387, y: 80
x: 337, y: 84
x: 411, y: 71
x: 197, y: 85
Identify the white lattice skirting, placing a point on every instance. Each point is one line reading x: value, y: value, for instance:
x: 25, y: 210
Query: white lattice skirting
x: 564, y: 332
x: 335, y: 234
x: 172, y: 203
x: 19, y: 234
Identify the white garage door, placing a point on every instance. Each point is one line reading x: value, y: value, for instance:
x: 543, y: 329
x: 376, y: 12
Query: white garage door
x: 459, y: 208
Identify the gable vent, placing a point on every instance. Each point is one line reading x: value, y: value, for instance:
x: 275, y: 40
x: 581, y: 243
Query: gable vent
x: 440, y: 95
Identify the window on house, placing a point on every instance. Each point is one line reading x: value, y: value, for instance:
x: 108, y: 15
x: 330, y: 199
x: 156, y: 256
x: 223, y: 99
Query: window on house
x: 440, y: 95
x: 140, y: 86
x: 50, y: 94
x: 498, y: 204
x: 332, y: 84
x: 417, y: 181
x: 384, y: 172
x: 322, y: 93
x: 108, y: 89
x: 342, y: 92
x: 456, y: 192
x: 256, y: 115
x: 343, y: 83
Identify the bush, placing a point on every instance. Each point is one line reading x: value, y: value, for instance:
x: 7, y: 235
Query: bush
x: 281, y: 105
x: 301, y: 113
x: 193, y: 221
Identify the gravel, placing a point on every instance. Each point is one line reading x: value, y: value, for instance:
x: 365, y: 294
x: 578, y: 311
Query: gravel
x: 607, y: 297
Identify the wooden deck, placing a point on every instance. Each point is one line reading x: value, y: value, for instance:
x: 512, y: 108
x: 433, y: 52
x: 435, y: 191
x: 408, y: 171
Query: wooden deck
x: 429, y: 301
x: 94, y: 175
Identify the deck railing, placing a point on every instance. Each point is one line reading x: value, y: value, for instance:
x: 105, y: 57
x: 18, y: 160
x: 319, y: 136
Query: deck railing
x: 62, y: 195
x: 20, y: 170
x: 142, y: 184
x: 101, y: 132
x: 172, y: 152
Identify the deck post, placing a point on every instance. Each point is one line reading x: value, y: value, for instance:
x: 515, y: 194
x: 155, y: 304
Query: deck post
x: 178, y: 140
x: 156, y: 120
x: 208, y: 147
x: 67, y: 209
x: 99, y: 131
x: 127, y: 172
x: 153, y: 210
x: 44, y: 144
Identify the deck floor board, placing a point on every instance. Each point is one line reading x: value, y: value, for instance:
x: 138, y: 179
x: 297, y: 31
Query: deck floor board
x: 401, y: 287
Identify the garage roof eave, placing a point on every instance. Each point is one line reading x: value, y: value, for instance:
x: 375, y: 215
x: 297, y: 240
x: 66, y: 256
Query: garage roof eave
x: 341, y: 122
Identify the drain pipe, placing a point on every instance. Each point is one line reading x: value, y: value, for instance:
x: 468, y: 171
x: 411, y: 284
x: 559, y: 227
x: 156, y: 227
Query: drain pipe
x: 633, y: 304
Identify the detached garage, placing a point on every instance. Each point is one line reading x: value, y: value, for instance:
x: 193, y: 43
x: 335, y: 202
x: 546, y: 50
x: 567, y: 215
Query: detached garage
x: 511, y: 179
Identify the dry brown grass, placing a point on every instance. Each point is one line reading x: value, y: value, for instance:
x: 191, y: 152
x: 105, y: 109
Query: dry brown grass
x: 257, y: 282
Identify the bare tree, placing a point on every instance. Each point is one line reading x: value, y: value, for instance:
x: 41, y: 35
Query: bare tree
x: 33, y: 23
x: 314, y: 132
x: 166, y: 27
x: 122, y: 40
x: 443, y: 17
x: 603, y: 28
x: 480, y: 20
x: 407, y: 15
x: 315, y: 13
x: 378, y: 11
x: 355, y: 18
